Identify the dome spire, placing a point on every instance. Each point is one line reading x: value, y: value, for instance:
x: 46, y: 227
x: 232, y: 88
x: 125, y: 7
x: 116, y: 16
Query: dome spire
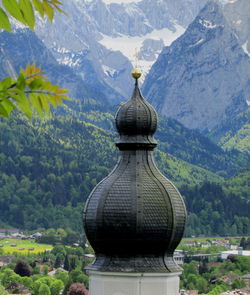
x: 136, y: 121
x: 135, y: 218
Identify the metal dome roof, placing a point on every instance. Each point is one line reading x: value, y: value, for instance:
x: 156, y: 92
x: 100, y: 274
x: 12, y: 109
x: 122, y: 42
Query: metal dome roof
x: 136, y: 120
x: 135, y: 218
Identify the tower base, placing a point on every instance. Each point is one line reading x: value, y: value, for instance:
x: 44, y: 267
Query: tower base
x: 117, y: 283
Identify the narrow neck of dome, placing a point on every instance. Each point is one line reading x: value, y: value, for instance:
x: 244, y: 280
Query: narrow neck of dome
x: 137, y: 93
x: 136, y: 143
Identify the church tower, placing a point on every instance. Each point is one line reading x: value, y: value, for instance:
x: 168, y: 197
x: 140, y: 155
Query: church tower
x: 135, y: 217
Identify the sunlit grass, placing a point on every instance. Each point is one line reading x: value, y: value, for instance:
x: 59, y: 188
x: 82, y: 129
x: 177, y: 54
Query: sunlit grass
x: 22, y: 246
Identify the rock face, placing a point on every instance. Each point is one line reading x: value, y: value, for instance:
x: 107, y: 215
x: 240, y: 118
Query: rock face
x: 203, y: 77
x: 73, y: 42
x: 151, y: 49
x: 15, y: 53
x: 237, y: 14
x: 103, y: 37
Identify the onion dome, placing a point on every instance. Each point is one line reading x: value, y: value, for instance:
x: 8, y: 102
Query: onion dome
x: 135, y: 218
x: 136, y: 121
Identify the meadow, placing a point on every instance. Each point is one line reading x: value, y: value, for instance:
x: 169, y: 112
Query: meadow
x: 12, y: 246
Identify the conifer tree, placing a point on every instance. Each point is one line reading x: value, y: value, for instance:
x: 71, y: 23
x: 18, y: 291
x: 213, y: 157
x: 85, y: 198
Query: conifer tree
x: 58, y: 261
x: 66, y: 263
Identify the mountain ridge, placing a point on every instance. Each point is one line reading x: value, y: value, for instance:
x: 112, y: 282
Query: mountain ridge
x: 202, y: 78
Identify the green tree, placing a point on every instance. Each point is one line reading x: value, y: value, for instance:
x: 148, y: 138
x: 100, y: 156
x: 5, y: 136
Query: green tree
x: 77, y: 276
x: 9, y: 276
x: 203, y: 268
x: 218, y: 289
x: 63, y: 276
x: 42, y: 281
x: 3, y: 291
x: 27, y: 282
x: 201, y: 285
x: 238, y: 284
x: 59, y: 249
x: 73, y: 261
x: 66, y: 263
x: 56, y: 287
x: 243, y: 242
x: 243, y: 264
x: 44, y: 290
x: 59, y: 260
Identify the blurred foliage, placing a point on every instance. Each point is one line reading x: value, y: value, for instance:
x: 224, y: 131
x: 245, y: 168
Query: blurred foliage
x: 214, y: 278
x: 30, y: 90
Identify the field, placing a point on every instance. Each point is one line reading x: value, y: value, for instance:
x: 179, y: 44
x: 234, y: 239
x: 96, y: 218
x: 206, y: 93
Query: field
x: 204, y: 239
x: 11, y: 246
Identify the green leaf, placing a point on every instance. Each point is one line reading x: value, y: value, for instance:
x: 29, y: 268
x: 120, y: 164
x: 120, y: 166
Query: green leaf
x: 45, y: 102
x: 4, y: 21
x: 21, y: 82
x: 28, y: 13
x: 57, y: 7
x: 56, y: 2
x: 15, y: 93
x: 6, y: 83
x: 7, y: 105
x: 52, y: 101
x: 48, y: 10
x: 3, y: 112
x: 36, y: 84
x: 38, y: 7
x: 36, y: 102
x: 60, y: 10
x: 24, y: 105
x: 12, y: 7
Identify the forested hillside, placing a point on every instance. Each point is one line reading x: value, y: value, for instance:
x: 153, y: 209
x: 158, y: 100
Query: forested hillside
x: 47, y: 170
x: 197, y: 149
x: 214, y: 210
x: 234, y: 133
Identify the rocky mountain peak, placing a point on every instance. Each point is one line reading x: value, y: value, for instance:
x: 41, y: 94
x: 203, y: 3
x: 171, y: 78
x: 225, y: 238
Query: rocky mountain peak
x: 203, y: 77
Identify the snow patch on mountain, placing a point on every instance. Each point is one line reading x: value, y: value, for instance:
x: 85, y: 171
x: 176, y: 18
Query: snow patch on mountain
x: 198, y: 42
x: 128, y: 45
x: 244, y: 46
x: 238, y: 22
x: 208, y: 24
x: 101, y: 37
x: 69, y: 61
x: 111, y: 72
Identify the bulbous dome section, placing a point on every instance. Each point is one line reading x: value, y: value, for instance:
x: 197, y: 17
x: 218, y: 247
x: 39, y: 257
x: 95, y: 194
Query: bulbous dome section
x: 135, y: 217
x: 136, y: 116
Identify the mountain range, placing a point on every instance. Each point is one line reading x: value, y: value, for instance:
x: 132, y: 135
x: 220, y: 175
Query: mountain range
x: 201, y: 78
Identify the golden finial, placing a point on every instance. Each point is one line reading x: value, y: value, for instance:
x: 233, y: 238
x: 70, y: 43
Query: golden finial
x: 136, y: 73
